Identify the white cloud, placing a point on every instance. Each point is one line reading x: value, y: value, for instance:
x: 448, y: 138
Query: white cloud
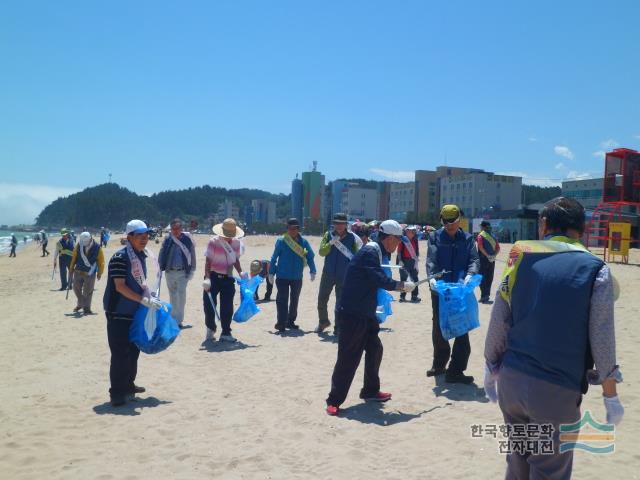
x: 20, y: 203
x: 533, y: 139
x: 599, y: 154
x: 394, y: 175
x: 560, y: 166
x: 573, y: 175
x: 637, y: 136
x: 563, y: 151
x: 609, y: 144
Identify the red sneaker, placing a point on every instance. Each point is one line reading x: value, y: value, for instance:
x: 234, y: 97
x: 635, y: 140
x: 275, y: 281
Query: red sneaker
x: 378, y: 397
x: 332, y: 410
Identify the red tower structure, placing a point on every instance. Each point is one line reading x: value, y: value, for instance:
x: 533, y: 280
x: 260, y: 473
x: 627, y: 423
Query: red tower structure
x: 621, y: 188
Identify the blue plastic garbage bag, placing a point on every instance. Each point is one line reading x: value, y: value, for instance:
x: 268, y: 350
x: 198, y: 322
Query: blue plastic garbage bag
x: 248, y: 307
x: 153, y: 330
x: 458, y: 307
x: 383, y: 309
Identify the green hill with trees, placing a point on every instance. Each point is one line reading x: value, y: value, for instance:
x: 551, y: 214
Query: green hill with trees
x: 111, y: 205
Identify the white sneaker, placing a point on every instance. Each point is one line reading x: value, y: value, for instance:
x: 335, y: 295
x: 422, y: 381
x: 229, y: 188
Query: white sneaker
x: 227, y: 338
x: 209, y: 335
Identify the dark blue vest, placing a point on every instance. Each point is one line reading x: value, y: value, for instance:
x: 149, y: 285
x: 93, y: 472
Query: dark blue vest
x: 550, y: 307
x: 166, y: 252
x: 92, y: 256
x: 67, y: 245
x: 117, y: 304
x: 453, y: 254
x: 335, y: 263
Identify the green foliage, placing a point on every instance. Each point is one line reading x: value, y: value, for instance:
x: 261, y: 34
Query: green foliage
x: 535, y: 194
x: 112, y: 206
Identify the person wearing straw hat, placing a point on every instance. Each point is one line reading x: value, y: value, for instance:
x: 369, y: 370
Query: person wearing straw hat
x: 338, y: 246
x: 64, y: 250
x: 125, y: 291
x: 87, y: 264
x: 452, y: 250
x: 221, y: 257
x: 290, y: 255
x: 178, y: 260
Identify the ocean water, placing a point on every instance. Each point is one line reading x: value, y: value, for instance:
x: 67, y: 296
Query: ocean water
x: 5, y: 240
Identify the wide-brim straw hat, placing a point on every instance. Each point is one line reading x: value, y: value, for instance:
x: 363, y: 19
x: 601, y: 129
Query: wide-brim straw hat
x: 229, y: 229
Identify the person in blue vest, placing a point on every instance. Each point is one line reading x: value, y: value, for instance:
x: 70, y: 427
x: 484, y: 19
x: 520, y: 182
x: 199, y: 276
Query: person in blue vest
x: 452, y: 250
x: 552, y: 322
x: 291, y: 255
x: 488, y: 249
x: 177, y: 260
x: 126, y: 290
x: 407, y: 255
x: 359, y: 325
x: 64, y: 251
x: 87, y: 265
x: 338, y: 246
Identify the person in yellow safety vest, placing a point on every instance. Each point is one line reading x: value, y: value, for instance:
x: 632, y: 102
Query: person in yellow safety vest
x: 64, y: 250
x: 488, y: 248
x: 87, y: 263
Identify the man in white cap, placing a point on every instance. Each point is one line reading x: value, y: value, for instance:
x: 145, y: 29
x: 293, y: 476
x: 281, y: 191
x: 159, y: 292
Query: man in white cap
x: 359, y: 326
x: 126, y: 289
x: 87, y: 263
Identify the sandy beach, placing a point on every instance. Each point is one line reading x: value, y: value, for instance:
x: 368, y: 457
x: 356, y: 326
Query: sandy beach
x: 256, y: 409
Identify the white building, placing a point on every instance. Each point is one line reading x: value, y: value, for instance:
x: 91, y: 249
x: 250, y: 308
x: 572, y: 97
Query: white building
x: 402, y: 200
x: 227, y: 210
x: 476, y: 192
x: 359, y: 203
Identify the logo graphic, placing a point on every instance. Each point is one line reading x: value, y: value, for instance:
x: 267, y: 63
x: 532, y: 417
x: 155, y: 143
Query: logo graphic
x: 598, y: 439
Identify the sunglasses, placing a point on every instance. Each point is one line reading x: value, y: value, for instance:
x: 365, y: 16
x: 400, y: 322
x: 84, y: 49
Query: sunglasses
x: 449, y: 222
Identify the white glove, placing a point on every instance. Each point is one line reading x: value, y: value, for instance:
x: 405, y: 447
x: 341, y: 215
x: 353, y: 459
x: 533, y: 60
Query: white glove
x: 151, y: 302
x: 615, y: 410
x: 334, y: 239
x: 417, y: 267
x: 244, y: 275
x: 272, y: 278
x: 491, y: 258
x: 206, y: 284
x: 466, y: 279
x: 408, y: 287
x: 490, y: 384
x: 432, y: 283
x: 312, y: 276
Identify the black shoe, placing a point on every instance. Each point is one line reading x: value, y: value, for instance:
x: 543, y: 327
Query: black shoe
x: 293, y: 326
x: 118, y: 401
x: 62, y: 289
x: 279, y: 327
x: 266, y: 299
x: 137, y: 389
x: 434, y: 372
x: 416, y: 300
x: 458, y: 377
x: 88, y: 311
x: 402, y: 300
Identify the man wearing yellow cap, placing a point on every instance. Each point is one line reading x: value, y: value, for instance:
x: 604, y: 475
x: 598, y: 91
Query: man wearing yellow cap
x: 454, y: 251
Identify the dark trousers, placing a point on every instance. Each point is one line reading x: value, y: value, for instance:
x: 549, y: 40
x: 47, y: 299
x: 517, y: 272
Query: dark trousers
x: 358, y: 334
x: 409, y: 270
x: 327, y: 283
x: 65, y: 262
x: 124, y: 357
x: 487, y: 269
x: 267, y: 295
x: 44, y: 249
x: 287, y: 304
x: 528, y: 400
x: 225, y: 287
x: 13, y: 251
x: 442, y: 349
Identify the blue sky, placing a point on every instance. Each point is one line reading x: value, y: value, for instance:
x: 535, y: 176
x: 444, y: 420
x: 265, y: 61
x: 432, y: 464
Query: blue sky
x: 167, y: 95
